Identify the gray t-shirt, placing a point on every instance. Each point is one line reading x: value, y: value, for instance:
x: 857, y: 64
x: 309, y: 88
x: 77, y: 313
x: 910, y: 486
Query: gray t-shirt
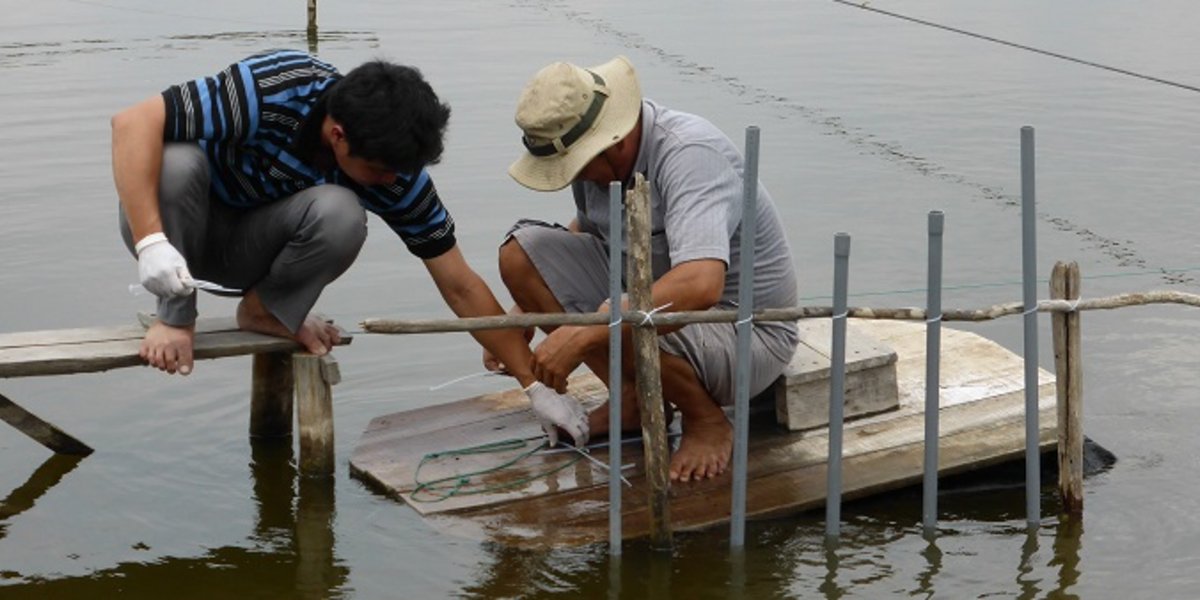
x: 695, y: 175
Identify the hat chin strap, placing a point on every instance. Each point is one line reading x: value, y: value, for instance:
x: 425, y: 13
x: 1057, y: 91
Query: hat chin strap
x: 562, y: 144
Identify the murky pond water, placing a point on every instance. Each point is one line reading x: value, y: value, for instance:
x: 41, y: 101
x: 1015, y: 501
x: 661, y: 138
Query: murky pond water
x: 868, y: 123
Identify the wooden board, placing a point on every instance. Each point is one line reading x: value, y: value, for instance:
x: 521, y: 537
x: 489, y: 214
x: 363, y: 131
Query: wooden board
x: 59, y: 352
x: 802, y: 392
x: 982, y: 423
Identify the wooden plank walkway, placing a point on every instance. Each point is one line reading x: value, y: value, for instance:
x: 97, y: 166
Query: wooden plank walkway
x: 982, y: 423
x: 282, y: 371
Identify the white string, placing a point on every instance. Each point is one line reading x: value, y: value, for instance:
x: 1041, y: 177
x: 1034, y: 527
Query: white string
x: 646, y: 316
x: 137, y: 289
x: 595, y: 461
x: 463, y: 378
x: 1074, y: 305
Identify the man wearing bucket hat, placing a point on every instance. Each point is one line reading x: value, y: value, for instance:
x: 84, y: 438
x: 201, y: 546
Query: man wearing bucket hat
x: 584, y: 128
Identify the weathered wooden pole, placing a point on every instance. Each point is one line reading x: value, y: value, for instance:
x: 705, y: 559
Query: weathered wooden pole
x: 312, y: 26
x: 43, y: 432
x: 314, y: 401
x: 646, y: 359
x: 271, y: 390
x: 1064, y: 285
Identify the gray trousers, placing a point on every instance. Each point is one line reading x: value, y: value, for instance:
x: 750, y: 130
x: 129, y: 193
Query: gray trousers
x: 286, y: 251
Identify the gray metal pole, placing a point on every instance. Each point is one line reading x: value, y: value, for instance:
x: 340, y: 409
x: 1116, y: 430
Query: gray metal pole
x: 837, y: 386
x: 933, y: 356
x: 615, y: 269
x: 741, y: 415
x: 1029, y: 277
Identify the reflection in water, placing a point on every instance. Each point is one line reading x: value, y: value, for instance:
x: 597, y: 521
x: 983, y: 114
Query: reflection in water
x: 45, y: 477
x: 933, y: 566
x: 289, y: 554
x: 1026, y: 580
x: 1068, y: 539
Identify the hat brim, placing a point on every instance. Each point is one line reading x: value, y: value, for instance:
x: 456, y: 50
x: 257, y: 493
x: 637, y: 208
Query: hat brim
x: 616, y: 120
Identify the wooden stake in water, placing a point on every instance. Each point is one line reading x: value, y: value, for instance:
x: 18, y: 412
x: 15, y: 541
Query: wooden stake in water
x: 1064, y: 284
x: 741, y: 417
x: 1029, y: 278
x: 649, y: 379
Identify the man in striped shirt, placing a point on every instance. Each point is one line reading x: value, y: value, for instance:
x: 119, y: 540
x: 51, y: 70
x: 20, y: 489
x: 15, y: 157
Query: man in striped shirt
x: 257, y: 178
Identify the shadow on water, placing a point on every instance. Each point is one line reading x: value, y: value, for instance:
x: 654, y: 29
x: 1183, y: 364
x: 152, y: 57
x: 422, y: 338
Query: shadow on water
x: 289, y: 554
x: 41, y: 481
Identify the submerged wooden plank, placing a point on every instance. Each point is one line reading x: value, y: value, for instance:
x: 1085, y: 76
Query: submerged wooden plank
x: 982, y: 423
x: 42, y: 432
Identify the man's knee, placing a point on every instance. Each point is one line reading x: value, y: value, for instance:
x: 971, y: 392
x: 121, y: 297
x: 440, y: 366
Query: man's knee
x: 338, y: 222
x: 185, y: 176
x: 515, y: 265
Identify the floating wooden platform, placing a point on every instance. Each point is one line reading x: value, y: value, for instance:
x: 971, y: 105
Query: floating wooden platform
x: 982, y: 423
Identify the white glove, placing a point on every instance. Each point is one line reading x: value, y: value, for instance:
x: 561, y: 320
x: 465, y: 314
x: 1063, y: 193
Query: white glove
x: 161, y: 267
x: 558, y: 410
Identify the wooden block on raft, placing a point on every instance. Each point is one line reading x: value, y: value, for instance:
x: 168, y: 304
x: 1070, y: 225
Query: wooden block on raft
x: 802, y: 392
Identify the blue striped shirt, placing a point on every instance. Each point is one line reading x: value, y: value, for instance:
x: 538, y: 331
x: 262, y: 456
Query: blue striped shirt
x: 259, y: 120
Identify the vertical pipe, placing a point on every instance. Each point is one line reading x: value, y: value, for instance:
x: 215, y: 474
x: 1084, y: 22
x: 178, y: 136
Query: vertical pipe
x: 837, y: 386
x: 933, y: 352
x: 1029, y: 277
x: 741, y: 415
x: 615, y: 250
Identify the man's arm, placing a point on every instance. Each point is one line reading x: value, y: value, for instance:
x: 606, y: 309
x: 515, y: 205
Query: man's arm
x: 137, y: 149
x: 468, y: 295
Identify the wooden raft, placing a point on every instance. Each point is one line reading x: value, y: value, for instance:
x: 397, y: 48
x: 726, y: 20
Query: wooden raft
x: 982, y: 423
x: 281, y: 371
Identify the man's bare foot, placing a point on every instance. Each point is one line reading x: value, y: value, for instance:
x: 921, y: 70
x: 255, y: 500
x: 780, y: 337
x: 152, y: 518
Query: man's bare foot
x: 704, y: 449
x: 316, y: 335
x: 168, y: 348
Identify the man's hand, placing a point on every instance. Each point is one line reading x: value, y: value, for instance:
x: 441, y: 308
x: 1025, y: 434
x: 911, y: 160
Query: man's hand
x: 556, y: 410
x: 162, y: 268
x: 494, y: 364
x: 558, y: 356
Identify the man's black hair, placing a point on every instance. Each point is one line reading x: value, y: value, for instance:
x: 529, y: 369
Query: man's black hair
x: 390, y: 115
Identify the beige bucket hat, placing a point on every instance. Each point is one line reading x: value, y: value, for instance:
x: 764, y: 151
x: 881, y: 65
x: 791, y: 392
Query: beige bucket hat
x: 569, y: 115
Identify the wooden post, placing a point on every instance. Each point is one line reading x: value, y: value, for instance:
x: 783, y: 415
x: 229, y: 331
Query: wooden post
x: 42, y: 432
x: 1065, y: 284
x: 312, y: 26
x: 646, y: 359
x: 314, y: 401
x: 271, y: 395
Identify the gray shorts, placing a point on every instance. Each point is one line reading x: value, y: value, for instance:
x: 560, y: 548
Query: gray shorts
x: 575, y: 267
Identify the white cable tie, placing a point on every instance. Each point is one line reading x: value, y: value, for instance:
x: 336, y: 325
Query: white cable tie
x: 463, y: 378
x: 743, y: 321
x: 934, y: 320
x: 841, y: 316
x: 1030, y: 311
x: 646, y: 316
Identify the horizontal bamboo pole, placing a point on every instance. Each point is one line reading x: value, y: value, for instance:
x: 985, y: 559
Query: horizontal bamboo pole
x: 771, y: 314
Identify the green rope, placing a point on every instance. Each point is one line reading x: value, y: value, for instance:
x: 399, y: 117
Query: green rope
x: 461, y: 484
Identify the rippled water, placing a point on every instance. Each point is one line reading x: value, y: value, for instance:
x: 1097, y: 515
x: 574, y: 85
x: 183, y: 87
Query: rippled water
x: 868, y: 123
